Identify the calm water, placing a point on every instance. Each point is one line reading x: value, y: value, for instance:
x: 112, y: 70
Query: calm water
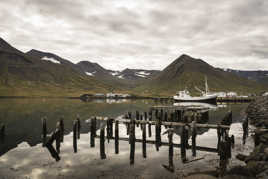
x: 23, y: 126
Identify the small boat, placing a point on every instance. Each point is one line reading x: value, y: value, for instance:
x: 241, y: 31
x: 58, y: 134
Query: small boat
x: 184, y: 96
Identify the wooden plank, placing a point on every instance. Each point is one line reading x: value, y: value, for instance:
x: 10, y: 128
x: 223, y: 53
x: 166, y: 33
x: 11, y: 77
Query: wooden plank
x: 198, y: 125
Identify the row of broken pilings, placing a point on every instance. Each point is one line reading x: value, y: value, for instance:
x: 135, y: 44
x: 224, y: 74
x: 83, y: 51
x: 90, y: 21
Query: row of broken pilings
x: 257, y: 161
x: 131, y: 127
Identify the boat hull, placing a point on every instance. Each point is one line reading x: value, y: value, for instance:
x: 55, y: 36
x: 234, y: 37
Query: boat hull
x: 208, y: 99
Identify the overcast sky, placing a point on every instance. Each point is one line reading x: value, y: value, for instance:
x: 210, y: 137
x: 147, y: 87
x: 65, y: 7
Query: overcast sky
x: 146, y: 34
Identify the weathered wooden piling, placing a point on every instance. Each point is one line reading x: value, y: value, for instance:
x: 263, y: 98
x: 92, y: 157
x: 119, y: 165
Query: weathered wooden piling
x: 92, y: 132
x: 157, y: 134
x: 144, y: 140
x: 78, y: 127
x: 141, y: 119
x: 102, y: 144
x: 44, y: 131
x: 61, y: 129
x: 132, y: 142
x: 2, y: 133
x: 116, y: 137
x: 179, y: 115
x: 108, y: 130
x: 149, y: 125
x: 205, y: 116
x: 183, y: 144
x: 219, y: 134
x: 170, y: 151
x: 137, y: 117
x: 194, y: 133
x: 50, y: 147
x: 58, y: 137
x: 75, y: 136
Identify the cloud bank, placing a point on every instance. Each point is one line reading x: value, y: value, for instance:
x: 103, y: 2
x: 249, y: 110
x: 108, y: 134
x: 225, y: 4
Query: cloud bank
x: 147, y: 34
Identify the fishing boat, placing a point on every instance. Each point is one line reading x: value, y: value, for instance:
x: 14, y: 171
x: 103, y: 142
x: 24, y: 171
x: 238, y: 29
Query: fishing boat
x: 207, y: 97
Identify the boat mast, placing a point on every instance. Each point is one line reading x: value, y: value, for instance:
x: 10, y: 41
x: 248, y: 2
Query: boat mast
x: 206, y: 83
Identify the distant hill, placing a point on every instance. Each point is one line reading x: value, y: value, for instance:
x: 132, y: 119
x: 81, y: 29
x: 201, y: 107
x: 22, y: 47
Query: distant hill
x: 187, y: 72
x: 37, y: 73
x: 260, y: 76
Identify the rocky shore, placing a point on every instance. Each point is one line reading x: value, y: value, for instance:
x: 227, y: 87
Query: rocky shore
x: 257, y: 162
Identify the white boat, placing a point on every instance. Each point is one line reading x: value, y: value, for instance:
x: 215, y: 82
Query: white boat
x: 184, y: 96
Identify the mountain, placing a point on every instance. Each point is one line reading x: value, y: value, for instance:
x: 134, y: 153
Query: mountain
x: 128, y: 78
x: 187, y: 72
x: 4, y: 46
x: 260, y: 76
x: 37, y: 73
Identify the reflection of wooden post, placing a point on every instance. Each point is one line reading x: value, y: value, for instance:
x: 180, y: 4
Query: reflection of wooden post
x: 75, y: 136
x: 116, y: 137
x: 61, y: 129
x: 44, y: 133
x: 132, y: 142
x: 194, y: 138
x: 144, y: 140
x: 102, y: 144
x: 92, y: 132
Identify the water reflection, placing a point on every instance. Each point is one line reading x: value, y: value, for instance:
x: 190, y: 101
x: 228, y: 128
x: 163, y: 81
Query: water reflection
x: 23, y: 116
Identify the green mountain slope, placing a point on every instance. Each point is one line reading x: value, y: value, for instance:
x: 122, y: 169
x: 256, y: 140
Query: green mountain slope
x: 27, y: 75
x: 187, y: 72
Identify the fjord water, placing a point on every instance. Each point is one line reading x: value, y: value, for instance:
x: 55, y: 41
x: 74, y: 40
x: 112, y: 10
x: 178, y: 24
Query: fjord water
x: 23, y: 126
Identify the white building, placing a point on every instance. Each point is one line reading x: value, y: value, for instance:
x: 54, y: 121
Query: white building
x: 231, y: 94
x: 265, y: 94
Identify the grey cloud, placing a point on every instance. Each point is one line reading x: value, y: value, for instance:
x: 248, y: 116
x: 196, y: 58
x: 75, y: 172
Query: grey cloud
x: 141, y: 34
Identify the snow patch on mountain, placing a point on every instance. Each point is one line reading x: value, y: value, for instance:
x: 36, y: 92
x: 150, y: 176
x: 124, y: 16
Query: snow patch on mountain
x: 114, y: 73
x: 142, y: 74
x: 90, y: 74
x: 121, y: 77
x: 51, y: 59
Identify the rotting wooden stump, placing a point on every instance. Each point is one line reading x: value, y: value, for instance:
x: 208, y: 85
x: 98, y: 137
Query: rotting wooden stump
x: 44, y: 131
x: 102, y: 144
x: 78, y: 127
x: 2, y: 133
x: 116, y: 136
x: 194, y: 134
x: 75, y: 136
x: 92, y: 132
x: 49, y: 144
x: 144, y: 140
x: 132, y: 142
x: 62, y: 129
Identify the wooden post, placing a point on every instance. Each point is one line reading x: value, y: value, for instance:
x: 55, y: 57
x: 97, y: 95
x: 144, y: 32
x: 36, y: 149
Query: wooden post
x: 149, y: 125
x: 157, y: 134
x: 2, y: 133
x: 132, y: 142
x: 141, y: 119
x: 170, y: 151
x: 92, y: 132
x: 62, y: 129
x: 78, y: 127
x: 44, y: 131
x: 50, y: 147
x: 183, y: 144
x: 58, y: 137
x: 144, y: 140
x: 179, y: 115
x: 194, y: 133
x: 116, y: 137
x: 137, y: 117
x: 166, y: 118
x: 75, y: 136
x: 129, y: 117
x: 145, y: 116
x: 102, y: 144
x: 219, y: 133
x: 108, y: 130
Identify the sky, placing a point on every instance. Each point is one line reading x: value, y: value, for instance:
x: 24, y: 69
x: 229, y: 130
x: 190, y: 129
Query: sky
x: 144, y: 34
